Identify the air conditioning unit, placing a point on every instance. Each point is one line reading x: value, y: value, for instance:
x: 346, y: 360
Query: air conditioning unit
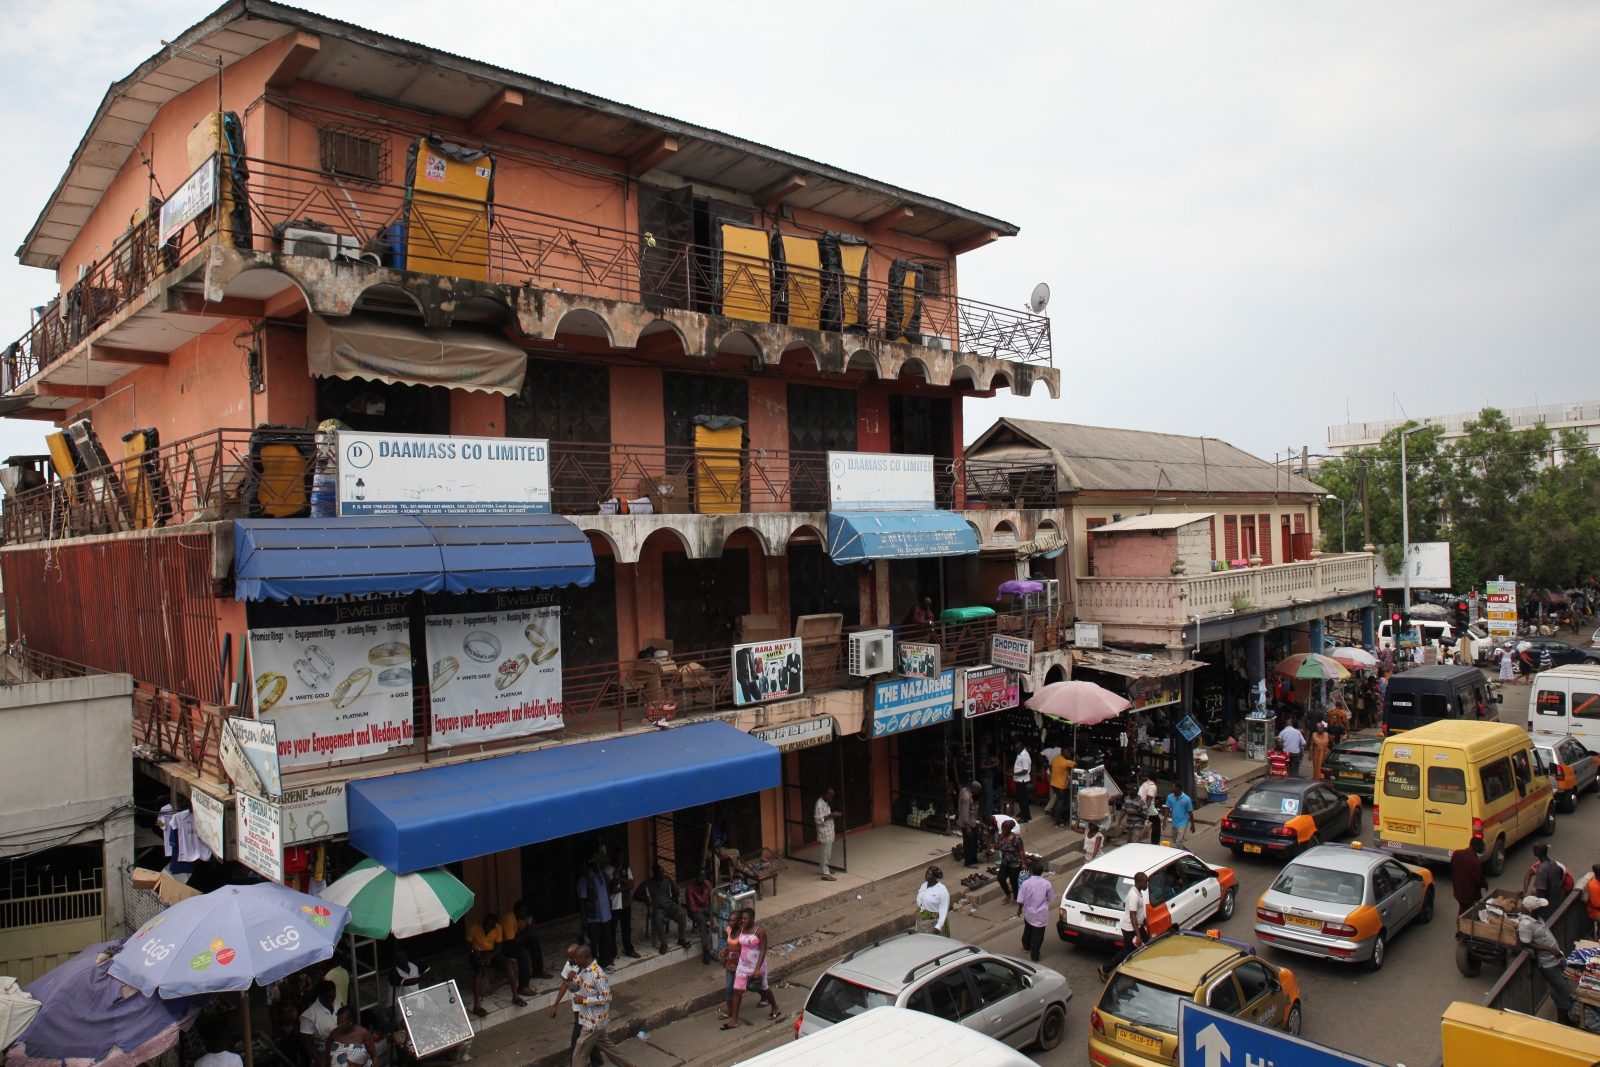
x: 871, y: 652
x: 324, y: 245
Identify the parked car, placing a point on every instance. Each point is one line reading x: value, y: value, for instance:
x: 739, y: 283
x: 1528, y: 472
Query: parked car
x: 1184, y: 890
x: 1430, y: 631
x: 1352, y: 766
x: 918, y: 1040
x: 1285, y: 816
x: 1018, y: 1003
x: 1530, y: 649
x: 1572, y: 768
x: 1566, y: 700
x: 1343, y: 902
x: 1439, y: 691
x: 1135, y: 1023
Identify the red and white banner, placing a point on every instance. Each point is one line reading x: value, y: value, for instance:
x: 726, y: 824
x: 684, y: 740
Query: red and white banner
x: 494, y: 674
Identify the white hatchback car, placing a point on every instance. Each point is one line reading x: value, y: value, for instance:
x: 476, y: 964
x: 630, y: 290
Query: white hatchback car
x: 1184, y: 891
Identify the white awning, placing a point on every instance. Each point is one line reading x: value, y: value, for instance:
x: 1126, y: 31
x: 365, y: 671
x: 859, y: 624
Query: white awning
x: 392, y: 350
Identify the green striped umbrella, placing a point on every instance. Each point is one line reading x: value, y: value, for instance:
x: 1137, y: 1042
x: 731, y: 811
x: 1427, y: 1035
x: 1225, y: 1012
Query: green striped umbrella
x: 1311, y: 665
x: 405, y: 905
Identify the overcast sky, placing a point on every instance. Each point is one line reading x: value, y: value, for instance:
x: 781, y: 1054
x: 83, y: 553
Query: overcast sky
x: 1252, y: 215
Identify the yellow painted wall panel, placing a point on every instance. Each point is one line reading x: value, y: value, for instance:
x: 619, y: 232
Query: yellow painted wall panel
x: 746, y: 275
x: 804, y: 261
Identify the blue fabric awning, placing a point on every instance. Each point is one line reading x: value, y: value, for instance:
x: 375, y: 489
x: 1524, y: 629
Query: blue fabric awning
x: 274, y: 559
x: 426, y: 818
x: 854, y: 537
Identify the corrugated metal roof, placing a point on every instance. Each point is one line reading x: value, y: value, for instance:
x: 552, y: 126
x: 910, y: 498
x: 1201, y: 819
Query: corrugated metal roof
x: 358, y: 59
x: 1090, y: 458
x: 1153, y: 522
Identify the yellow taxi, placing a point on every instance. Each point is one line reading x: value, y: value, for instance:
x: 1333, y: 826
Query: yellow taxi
x: 1135, y: 1023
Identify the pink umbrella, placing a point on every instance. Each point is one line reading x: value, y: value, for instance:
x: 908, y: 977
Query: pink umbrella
x: 1083, y: 703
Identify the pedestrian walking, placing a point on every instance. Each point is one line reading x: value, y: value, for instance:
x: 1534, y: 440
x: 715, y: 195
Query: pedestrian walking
x: 662, y: 896
x: 1061, y: 765
x: 697, y: 898
x: 1178, y: 807
x: 1508, y: 665
x: 825, y: 817
x: 751, y: 972
x: 729, y: 955
x: 1277, y: 761
x: 1148, y: 792
x: 1467, y: 883
x: 967, y: 822
x: 1294, y: 743
x: 1547, y: 878
x: 1535, y: 936
x: 1321, y: 741
x: 1034, y: 898
x: 569, y: 972
x: 1094, y: 842
x: 1022, y: 781
x: 1132, y: 927
x: 1010, y: 845
x: 591, y: 991
x: 1134, y: 814
x: 933, y: 904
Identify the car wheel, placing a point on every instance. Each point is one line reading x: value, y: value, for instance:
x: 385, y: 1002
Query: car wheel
x: 1354, y: 829
x: 1230, y: 901
x: 1497, y: 859
x: 1425, y: 916
x: 1380, y: 949
x: 1569, y: 803
x: 1466, y: 962
x: 1549, y: 826
x: 1052, y: 1028
x: 1291, y: 1025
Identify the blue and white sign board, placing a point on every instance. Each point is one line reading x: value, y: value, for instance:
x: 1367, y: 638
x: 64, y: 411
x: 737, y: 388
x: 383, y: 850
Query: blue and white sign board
x: 877, y: 481
x: 907, y: 703
x: 431, y: 474
x: 1209, y: 1038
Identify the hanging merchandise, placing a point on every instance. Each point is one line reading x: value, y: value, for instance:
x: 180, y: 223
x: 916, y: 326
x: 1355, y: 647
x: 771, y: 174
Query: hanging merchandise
x: 797, y: 281
x: 843, y: 260
x: 450, y: 193
x: 903, y: 309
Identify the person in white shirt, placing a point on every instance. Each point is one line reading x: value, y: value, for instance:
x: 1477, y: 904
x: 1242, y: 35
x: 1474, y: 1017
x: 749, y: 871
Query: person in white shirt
x: 825, y: 817
x: 569, y: 973
x: 1294, y: 743
x: 1133, y: 927
x: 1148, y: 793
x: 933, y: 904
x: 318, y: 1021
x: 217, y: 1051
x: 1094, y: 842
x: 1022, y: 777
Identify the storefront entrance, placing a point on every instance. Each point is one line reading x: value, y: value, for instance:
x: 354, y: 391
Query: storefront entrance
x: 845, y: 766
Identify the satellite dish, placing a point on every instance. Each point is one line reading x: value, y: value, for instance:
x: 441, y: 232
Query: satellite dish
x: 1040, y: 299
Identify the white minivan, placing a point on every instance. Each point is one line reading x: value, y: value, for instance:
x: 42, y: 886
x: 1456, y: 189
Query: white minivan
x: 1566, y: 700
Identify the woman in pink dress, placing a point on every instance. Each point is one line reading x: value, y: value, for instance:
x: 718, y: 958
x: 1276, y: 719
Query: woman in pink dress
x: 752, y: 970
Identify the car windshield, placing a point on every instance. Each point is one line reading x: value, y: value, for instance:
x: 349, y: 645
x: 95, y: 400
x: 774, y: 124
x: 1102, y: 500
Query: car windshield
x: 1100, y: 889
x: 1271, y: 801
x: 835, y: 1000
x: 1141, y: 1003
x: 1315, y: 883
x: 1358, y: 755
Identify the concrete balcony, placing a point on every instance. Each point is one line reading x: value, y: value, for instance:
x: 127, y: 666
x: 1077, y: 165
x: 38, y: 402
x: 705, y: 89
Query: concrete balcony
x: 1160, y: 610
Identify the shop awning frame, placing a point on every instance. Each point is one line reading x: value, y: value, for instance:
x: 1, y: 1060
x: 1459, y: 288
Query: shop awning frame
x: 859, y: 536
x: 275, y: 559
x: 445, y: 814
x: 402, y: 352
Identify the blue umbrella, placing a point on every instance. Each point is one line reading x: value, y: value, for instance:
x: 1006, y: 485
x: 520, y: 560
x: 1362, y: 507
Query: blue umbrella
x: 91, y: 1018
x: 229, y: 938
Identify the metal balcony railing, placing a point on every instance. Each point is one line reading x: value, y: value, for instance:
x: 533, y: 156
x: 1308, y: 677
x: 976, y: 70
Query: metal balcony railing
x: 518, y: 246
x: 237, y: 473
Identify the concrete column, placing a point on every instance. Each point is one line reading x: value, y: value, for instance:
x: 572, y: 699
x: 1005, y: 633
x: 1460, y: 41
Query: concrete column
x: 1255, y: 658
x: 117, y: 856
x: 1183, y: 750
x: 1316, y: 636
x: 1369, y: 627
x: 881, y: 592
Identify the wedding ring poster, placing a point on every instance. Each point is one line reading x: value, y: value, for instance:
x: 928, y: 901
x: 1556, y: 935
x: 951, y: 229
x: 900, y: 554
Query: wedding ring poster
x: 494, y: 674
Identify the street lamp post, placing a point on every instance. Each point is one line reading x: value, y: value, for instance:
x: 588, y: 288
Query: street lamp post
x: 1344, y: 508
x: 1405, y: 523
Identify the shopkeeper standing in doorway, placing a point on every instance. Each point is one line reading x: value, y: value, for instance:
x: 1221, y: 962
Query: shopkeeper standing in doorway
x: 1022, y: 779
x: 825, y: 816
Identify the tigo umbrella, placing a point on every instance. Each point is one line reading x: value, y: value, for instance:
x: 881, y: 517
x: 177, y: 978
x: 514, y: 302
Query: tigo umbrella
x: 228, y: 939
x: 1081, y: 702
x: 1310, y: 665
x: 1354, y: 658
x: 90, y: 1019
x: 405, y: 905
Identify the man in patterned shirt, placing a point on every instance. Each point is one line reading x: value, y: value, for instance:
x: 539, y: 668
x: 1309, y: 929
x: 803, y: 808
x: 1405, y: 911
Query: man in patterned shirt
x: 591, y: 992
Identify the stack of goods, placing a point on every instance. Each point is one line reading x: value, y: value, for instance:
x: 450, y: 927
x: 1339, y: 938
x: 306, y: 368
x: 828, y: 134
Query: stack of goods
x: 917, y: 816
x: 1094, y: 804
x: 1496, y: 921
x: 1583, y: 970
x: 1213, y: 785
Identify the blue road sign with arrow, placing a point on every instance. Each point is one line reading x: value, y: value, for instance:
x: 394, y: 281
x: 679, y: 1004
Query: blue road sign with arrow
x: 1209, y: 1038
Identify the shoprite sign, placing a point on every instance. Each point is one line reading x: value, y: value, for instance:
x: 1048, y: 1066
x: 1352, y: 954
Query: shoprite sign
x: 908, y: 703
x: 429, y: 474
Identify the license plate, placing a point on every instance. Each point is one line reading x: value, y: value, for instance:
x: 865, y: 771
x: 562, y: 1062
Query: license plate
x: 1351, y: 774
x: 1252, y: 848
x: 1124, y: 1034
x: 1400, y: 827
x: 1100, y: 919
x: 1310, y: 924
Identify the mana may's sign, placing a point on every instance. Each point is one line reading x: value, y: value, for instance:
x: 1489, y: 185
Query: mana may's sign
x: 430, y: 474
x: 877, y: 481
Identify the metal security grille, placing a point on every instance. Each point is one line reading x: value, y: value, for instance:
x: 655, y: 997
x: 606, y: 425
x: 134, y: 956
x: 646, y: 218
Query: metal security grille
x: 354, y: 153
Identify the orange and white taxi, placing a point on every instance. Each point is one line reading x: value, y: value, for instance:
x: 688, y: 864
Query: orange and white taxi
x: 1343, y: 902
x: 1184, y: 891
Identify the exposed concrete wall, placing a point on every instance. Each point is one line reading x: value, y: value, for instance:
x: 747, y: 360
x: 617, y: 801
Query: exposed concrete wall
x: 66, y: 758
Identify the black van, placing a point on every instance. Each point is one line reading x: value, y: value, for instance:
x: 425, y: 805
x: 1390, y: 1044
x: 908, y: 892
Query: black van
x: 1427, y: 694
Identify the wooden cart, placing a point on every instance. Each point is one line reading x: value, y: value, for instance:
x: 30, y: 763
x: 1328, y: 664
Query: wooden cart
x: 1478, y: 941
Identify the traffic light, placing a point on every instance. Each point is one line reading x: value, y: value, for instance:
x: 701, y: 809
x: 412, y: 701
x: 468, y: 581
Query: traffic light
x: 1462, y: 607
x: 1377, y: 594
x: 1395, y: 618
